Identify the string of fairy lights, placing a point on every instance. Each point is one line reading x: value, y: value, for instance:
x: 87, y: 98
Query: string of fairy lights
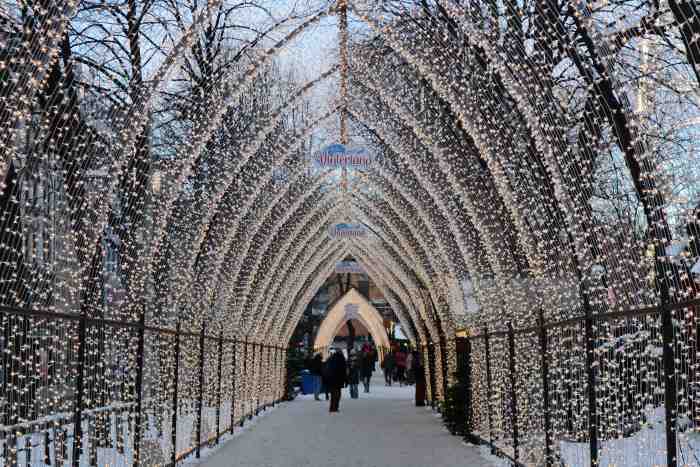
x: 491, y: 177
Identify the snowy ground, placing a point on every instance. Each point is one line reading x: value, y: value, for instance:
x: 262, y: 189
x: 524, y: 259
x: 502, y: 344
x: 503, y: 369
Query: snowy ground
x: 645, y: 448
x: 380, y: 429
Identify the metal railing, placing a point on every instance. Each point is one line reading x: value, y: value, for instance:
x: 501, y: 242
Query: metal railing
x: 102, y: 391
x: 573, y: 392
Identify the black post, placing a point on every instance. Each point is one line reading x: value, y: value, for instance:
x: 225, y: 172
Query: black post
x: 257, y: 351
x: 443, y: 362
x: 138, y: 386
x: 278, y: 373
x: 79, y: 390
x: 266, y: 401
x: 513, y: 392
x: 218, y: 386
x: 283, y: 373
x: 487, y: 352
x: 670, y: 398
x: 273, y: 371
x: 592, y: 398
x: 426, y: 366
x: 545, y: 394
x: 233, y: 385
x: 468, y: 411
x: 200, y: 403
x: 433, y: 375
x: 272, y: 359
x: 245, y: 379
x: 430, y: 373
x: 266, y: 367
x: 263, y: 376
x: 173, y: 458
x: 279, y: 395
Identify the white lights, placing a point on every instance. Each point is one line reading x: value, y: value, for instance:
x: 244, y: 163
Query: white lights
x: 172, y: 173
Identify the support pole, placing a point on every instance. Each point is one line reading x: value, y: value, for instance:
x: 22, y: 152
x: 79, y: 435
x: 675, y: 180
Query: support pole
x: 271, y: 366
x: 249, y: 380
x: 443, y: 362
x: 273, y: 374
x: 257, y: 352
x: 468, y: 411
x: 548, y: 460
x: 200, y: 402
x: 244, y: 386
x: 283, y: 373
x: 513, y: 392
x: 176, y: 373
x: 278, y: 363
x: 592, y: 398
x: 426, y: 367
x: 218, y: 386
x: 670, y: 390
x: 138, y: 388
x: 285, y: 377
x: 433, y: 375
x: 487, y: 352
x: 233, y: 385
x: 261, y: 379
x: 79, y: 392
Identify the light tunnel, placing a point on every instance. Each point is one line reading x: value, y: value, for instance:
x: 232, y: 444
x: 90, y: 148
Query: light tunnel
x: 533, y: 187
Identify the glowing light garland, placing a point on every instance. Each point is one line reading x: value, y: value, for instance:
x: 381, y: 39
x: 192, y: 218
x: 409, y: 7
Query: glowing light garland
x: 494, y: 168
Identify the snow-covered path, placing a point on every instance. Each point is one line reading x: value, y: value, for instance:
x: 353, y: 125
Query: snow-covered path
x: 382, y: 429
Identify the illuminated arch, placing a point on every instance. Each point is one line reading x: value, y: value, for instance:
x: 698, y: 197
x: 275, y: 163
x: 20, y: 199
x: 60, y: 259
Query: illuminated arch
x: 338, y: 315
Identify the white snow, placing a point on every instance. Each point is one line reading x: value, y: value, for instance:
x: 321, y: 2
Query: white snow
x: 646, y: 448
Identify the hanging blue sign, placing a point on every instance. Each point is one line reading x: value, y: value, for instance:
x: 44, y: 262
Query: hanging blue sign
x: 337, y: 156
x: 348, y: 267
x: 347, y: 231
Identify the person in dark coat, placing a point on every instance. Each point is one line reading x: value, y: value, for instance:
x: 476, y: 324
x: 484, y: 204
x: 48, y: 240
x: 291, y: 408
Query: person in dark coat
x: 388, y: 365
x: 400, y: 361
x: 419, y: 378
x: 354, y: 375
x: 316, y: 369
x: 366, y: 368
x: 336, y: 378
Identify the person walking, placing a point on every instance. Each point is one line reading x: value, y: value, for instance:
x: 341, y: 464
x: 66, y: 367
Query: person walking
x: 367, y: 368
x: 400, y: 366
x: 316, y: 369
x: 337, y: 378
x: 354, y: 376
x: 388, y: 366
x: 419, y: 378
